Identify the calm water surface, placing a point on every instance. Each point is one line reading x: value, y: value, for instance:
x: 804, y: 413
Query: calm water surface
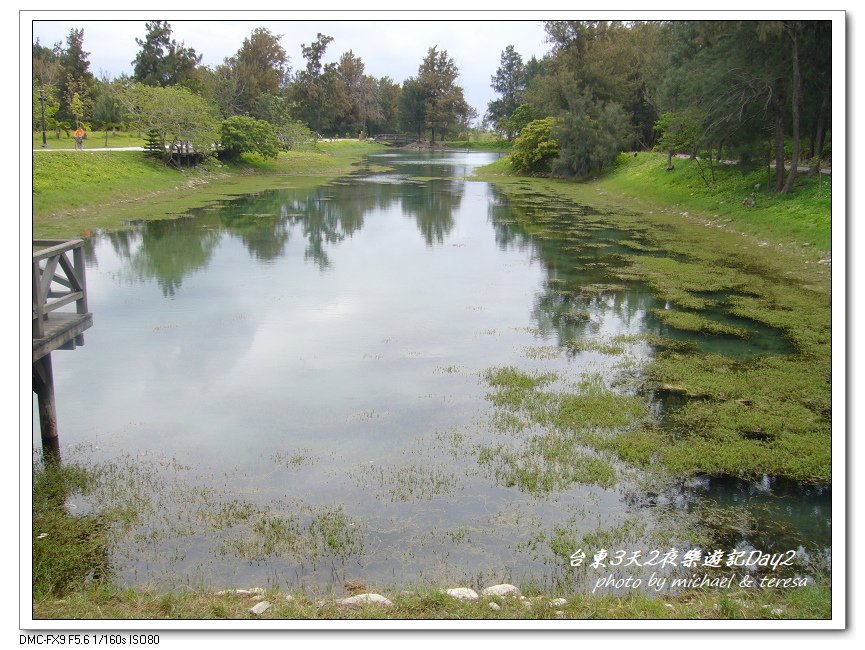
x: 314, y: 358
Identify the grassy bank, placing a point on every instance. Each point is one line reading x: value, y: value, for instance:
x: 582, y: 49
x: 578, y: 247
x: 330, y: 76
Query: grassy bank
x: 74, y: 192
x: 811, y: 602
x: 769, y: 414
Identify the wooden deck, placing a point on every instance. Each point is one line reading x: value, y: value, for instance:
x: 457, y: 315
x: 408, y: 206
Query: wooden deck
x: 58, y: 282
x: 395, y: 139
x: 62, y: 331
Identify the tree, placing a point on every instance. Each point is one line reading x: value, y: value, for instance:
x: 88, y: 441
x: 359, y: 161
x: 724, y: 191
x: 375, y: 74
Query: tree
x: 240, y: 134
x: 274, y: 110
x: 259, y: 66
x: 161, y: 61
x: 443, y: 98
x: 75, y: 81
x: 174, y: 117
x: 509, y: 82
x: 412, y: 107
x: 76, y: 100
x: 387, y: 120
x: 590, y: 136
x: 362, y: 92
x: 107, y: 112
x: 679, y: 131
x: 308, y: 90
x: 523, y: 114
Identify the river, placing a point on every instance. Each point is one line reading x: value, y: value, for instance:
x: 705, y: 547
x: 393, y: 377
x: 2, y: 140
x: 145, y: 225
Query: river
x: 298, y: 388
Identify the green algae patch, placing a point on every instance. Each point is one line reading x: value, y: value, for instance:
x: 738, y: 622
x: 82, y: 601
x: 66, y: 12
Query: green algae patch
x: 691, y: 322
x: 767, y: 414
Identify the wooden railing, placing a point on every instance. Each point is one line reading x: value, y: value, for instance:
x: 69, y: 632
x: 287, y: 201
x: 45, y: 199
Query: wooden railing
x: 57, y: 281
x: 397, y: 139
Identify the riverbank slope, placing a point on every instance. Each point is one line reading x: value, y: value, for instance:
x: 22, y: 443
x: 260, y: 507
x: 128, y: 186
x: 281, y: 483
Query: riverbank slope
x: 75, y: 192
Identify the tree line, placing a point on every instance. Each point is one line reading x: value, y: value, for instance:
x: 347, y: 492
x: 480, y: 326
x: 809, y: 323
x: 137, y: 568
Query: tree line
x: 252, y: 100
x: 758, y: 92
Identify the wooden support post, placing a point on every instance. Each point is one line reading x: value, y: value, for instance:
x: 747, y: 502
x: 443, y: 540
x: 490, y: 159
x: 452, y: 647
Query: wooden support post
x: 43, y: 386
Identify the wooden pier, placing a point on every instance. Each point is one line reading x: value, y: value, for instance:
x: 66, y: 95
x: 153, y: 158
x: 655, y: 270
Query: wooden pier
x: 58, y: 282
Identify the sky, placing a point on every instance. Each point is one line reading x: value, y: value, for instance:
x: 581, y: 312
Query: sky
x: 388, y: 48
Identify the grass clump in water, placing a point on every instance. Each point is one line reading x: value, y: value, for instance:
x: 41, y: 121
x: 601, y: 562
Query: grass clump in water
x: 546, y: 463
x: 414, y: 482
x: 566, y: 452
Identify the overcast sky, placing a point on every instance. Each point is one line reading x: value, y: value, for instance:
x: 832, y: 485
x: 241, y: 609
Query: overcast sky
x: 393, y: 49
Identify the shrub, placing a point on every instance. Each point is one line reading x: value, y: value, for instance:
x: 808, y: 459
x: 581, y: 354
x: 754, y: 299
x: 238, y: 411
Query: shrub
x: 536, y: 147
x: 241, y: 134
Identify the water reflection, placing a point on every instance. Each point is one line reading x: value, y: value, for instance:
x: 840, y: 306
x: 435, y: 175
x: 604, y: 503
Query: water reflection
x: 165, y: 251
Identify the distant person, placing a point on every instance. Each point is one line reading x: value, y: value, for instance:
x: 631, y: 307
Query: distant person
x: 79, y: 138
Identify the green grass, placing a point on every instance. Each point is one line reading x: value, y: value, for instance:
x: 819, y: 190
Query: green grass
x: 77, y: 192
x: 69, y: 551
x: 804, y: 215
x: 95, y: 139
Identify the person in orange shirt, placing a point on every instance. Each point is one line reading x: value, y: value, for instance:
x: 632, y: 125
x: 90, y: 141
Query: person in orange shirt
x: 79, y: 138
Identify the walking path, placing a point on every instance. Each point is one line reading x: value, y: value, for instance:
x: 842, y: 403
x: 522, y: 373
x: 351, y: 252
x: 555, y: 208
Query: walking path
x: 801, y: 168
x: 95, y: 149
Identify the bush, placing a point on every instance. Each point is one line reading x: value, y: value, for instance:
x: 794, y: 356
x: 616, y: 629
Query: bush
x: 536, y: 147
x: 241, y: 134
x: 294, y: 135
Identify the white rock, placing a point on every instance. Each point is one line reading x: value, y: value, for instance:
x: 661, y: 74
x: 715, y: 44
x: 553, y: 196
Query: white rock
x: 463, y: 593
x: 495, y: 607
x: 558, y: 602
x: 260, y: 608
x: 362, y: 599
x: 501, y: 590
x: 560, y: 613
x: 777, y: 612
x: 289, y: 598
x: 241, y: 592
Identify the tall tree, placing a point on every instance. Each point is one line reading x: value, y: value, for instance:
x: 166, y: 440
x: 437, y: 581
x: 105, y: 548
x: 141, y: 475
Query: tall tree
x: 308, y: 89
x: 509, y: 82
x: 76, y: 79
x: 161, y: 61
x: 259, y: 66
x: 443, y: 98
x: 362, y: 93
x: 412, y: 107
x: 388, y: 94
